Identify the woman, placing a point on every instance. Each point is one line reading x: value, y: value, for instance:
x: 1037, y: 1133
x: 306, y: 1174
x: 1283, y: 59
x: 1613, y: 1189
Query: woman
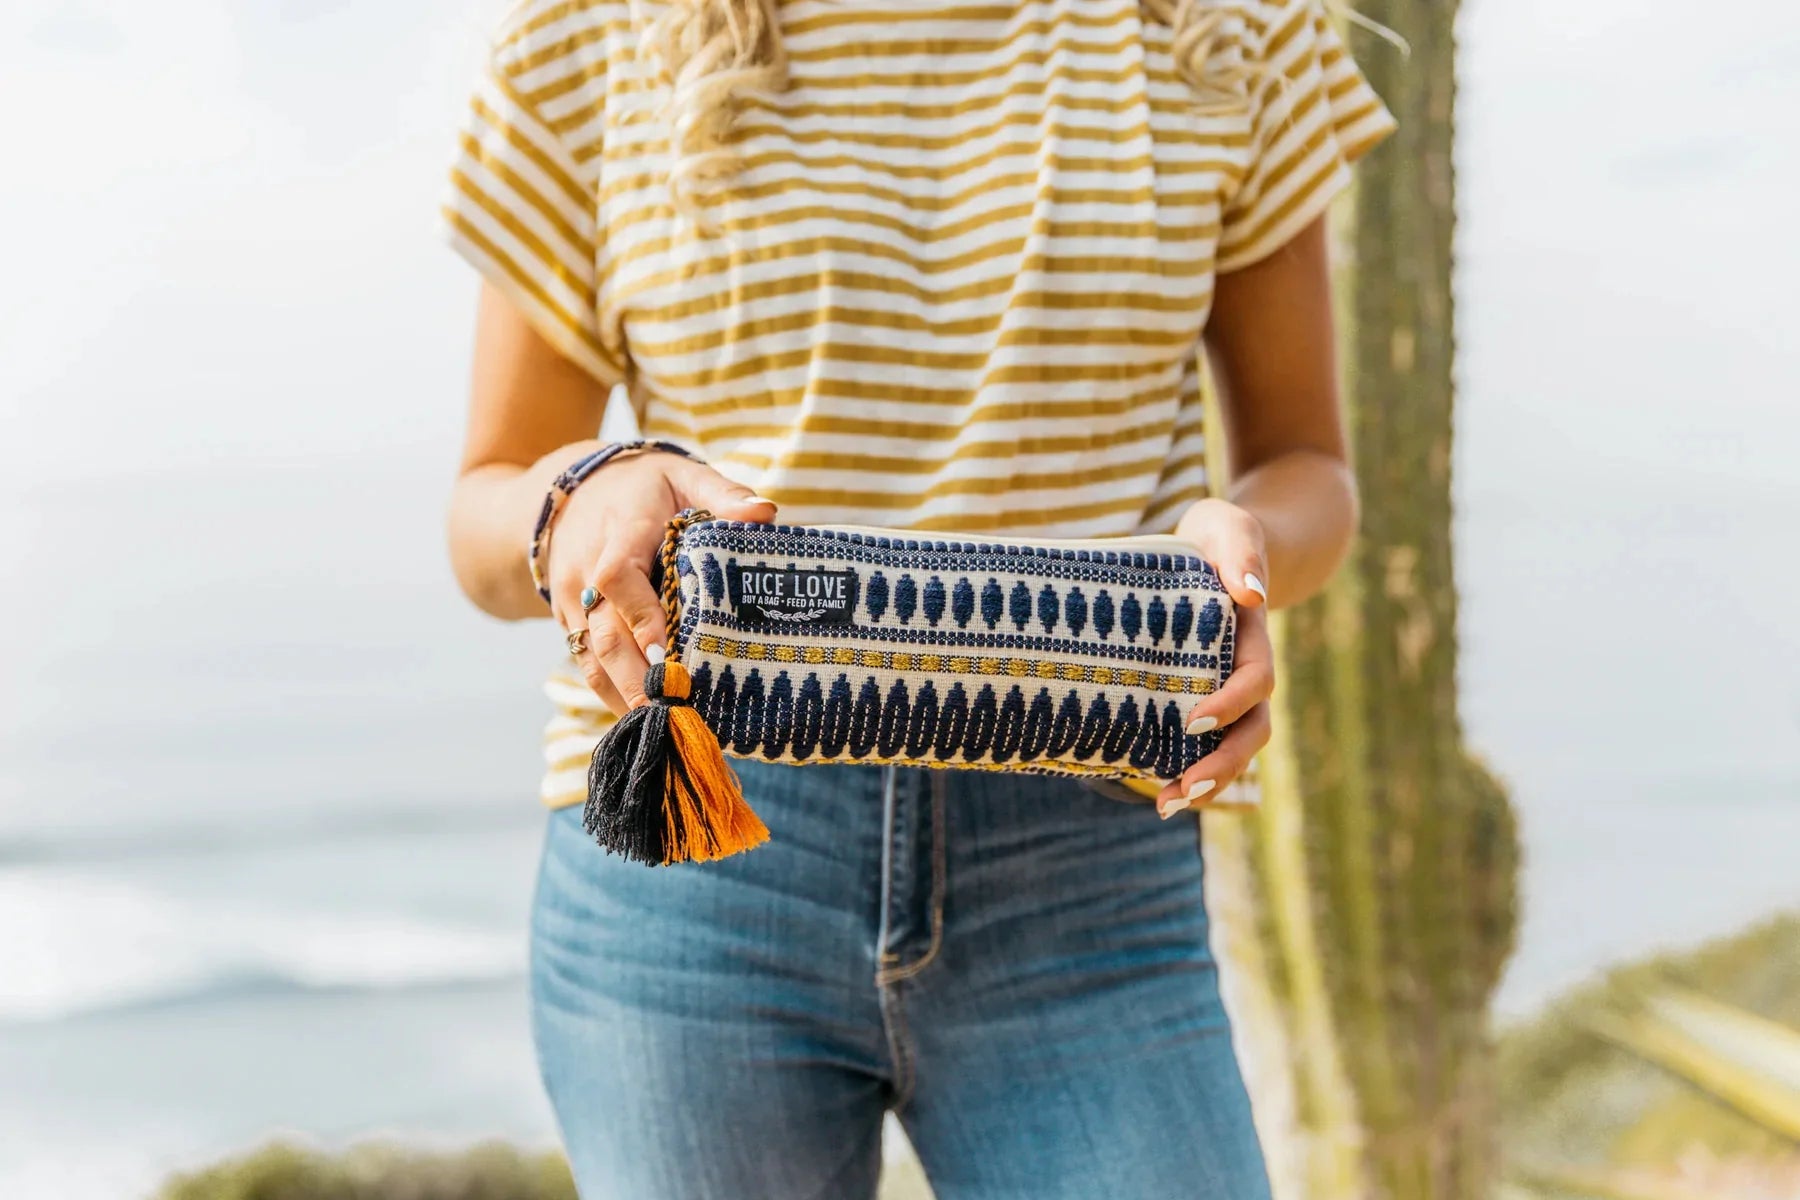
x: 923, y: 264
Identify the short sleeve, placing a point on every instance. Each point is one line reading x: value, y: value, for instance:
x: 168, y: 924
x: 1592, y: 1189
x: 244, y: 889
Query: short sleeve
x: 1312, y: 115
x: 521, y: 202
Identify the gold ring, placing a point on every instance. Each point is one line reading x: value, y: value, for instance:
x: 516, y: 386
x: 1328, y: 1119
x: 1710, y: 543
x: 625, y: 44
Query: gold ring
x: 576, y: 641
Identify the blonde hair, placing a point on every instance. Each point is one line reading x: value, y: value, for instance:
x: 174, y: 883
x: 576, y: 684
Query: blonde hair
x: 713, y: 52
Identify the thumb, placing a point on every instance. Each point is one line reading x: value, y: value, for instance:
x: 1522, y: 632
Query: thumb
x: 703, y: 487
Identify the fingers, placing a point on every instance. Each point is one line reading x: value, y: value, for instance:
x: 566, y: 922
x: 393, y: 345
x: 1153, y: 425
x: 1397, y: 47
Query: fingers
x: 628, y: 622
x: 1244, y: 574
x: 703, y: 487
x: 568, y: 613
x: 1252, y: 678
x: 1243, y: 704
x: 608, y: 538
x: 597, y: 678
x: 1231, y: 540
x: 1213, y: 773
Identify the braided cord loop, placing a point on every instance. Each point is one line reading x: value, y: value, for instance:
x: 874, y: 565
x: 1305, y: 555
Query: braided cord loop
x: 671, y: 580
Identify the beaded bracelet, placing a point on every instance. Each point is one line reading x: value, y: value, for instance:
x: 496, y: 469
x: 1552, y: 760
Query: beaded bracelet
x: 538, y: 552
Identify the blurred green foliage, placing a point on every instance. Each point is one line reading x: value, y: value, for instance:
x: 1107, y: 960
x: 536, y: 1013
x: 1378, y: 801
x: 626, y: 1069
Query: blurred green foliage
x: 1573, y: 1100
x: 490, y: 1171
x: 380, y: 1171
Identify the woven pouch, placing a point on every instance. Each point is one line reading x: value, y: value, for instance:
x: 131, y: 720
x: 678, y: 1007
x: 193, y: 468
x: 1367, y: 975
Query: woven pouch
x: 845, y: 644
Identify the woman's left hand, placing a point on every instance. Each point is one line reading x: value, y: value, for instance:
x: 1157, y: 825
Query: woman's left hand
x: 1231, y: 540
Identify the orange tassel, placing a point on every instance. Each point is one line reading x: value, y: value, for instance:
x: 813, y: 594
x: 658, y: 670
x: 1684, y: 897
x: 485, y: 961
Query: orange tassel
x: 659, y: 789
x: 706, y: 786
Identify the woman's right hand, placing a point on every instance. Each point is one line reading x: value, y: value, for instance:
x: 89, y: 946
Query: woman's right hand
x: 607, y: 537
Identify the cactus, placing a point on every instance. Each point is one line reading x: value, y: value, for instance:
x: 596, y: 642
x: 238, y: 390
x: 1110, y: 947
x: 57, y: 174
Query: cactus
x: 1367, y: 910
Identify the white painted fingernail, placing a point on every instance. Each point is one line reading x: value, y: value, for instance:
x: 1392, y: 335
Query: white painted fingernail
x: 1171, y: 807
x: 759, y: 500
x: 1200, y: 789
x: 1203, y: 724
x: 654, y: 654
x: 1256, y: 585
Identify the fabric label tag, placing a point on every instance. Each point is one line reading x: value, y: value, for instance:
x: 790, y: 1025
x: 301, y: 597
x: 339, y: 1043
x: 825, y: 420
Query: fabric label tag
x: 793, y: 595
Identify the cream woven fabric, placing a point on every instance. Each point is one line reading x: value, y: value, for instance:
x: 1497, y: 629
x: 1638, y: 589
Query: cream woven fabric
x: 843, y: 644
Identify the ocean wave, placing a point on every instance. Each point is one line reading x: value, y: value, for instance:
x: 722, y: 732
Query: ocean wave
x: 77, y: 945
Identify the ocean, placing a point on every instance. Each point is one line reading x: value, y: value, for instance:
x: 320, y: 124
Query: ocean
x: 267, y: 811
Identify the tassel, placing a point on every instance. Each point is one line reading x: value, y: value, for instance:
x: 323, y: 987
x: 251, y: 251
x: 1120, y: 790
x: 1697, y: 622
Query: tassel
x: 659, y: 789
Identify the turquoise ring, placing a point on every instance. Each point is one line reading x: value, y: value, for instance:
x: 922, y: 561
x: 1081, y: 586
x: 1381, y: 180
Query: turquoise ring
x: 590, y: 599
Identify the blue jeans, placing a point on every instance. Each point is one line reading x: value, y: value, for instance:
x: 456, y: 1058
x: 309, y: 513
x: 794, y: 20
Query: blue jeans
x: 1015, y: 965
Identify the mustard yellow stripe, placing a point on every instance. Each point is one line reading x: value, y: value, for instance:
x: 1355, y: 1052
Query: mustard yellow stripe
x: 730, y: 302
x: 559, y: 175
x: 530, y: 286
x: 626, y: 82
x: 506, y: 216
x: 732, y: 297
x: 1295, y: 73
x: 792, y: 109
x: 921, y: 143
x: 966, y: 664
x: 950, y: 47
x: 834, y: 279
x: 1344, y: 123
x: 1296, y: 79
x: 916, y: 236
x: 978, y: 485
x: 578, y: 118
x: 801, y: 247
x: 791, y: 163
x: 888, y: 16
x: 692, y: 272
x: 1027, y: 518
x: 1281, y: 157
x: 1168, y: 509
x: 864, y: 81
x: 565, y: 85
x: 1086, y: 441
x: 1286, y: 156
x: 515, y: 36
x: 578, y: 240
x: 565, y: 47
x: 799, y: 250
x: 1348, y: 86
x: 740, y: 258
x: 886, y: 321
x: 1277, y: 40
x: 910, y: 352
x: 1176, y: 464
x: 1300, y: 197
x: 1048, y: 411
x: 836, y: 353
x: 1190, y: 419
x: 733, y: 292
x: 1354, y: 150
x: 979, y: 522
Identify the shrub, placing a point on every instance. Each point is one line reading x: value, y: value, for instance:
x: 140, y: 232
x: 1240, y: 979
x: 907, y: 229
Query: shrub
x: 281, y: 1171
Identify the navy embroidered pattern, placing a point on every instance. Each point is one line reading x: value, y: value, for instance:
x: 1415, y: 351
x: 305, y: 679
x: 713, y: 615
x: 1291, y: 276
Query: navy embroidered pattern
x: 913, y: 649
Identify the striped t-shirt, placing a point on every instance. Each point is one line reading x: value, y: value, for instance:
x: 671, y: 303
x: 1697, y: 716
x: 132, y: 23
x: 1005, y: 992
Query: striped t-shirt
x: 959, y: 280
